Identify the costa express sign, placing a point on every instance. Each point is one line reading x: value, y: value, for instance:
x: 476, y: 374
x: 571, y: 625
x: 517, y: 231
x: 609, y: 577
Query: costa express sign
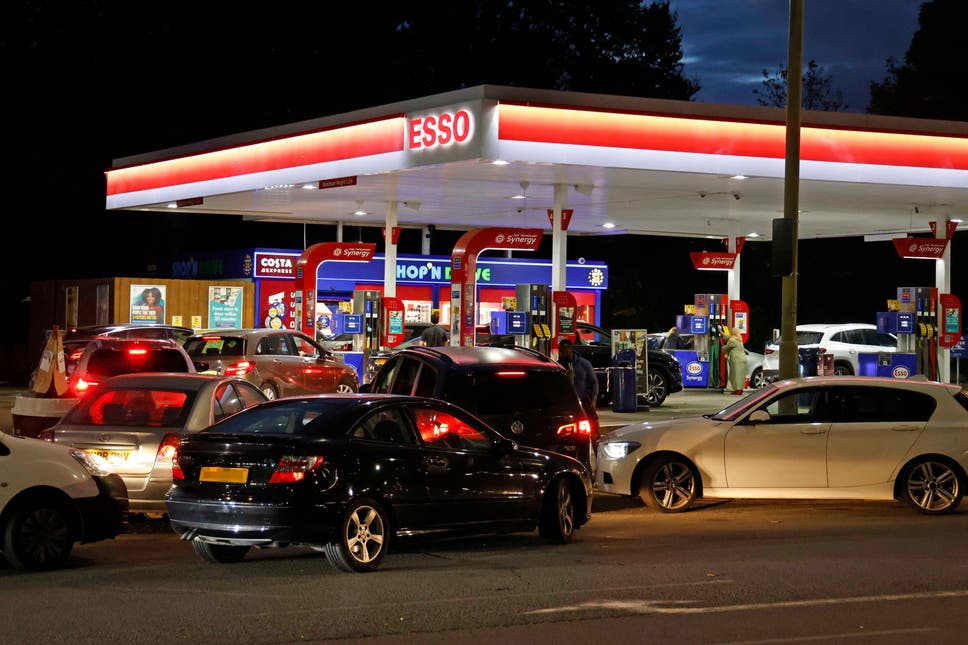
x: 275, y: 265
x: 438, y: 130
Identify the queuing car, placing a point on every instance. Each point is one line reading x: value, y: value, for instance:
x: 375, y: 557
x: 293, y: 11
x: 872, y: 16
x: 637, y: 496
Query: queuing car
x: 755, y: 378
x: 349, y: 475
x: 51, y: 498
x: 280, y: 362
x: 104, y: 356
x: 524, y: 395
x: 133, y: 422
x: 826, y: 437
x: 844, y: 341
x: 665, y: 372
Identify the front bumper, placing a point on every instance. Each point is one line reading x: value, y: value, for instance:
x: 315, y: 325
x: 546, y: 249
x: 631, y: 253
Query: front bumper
x: 103, y: 516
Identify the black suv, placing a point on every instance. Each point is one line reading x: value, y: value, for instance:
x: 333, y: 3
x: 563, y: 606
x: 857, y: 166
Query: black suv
x: 522, y: 394
x: 665, y: 371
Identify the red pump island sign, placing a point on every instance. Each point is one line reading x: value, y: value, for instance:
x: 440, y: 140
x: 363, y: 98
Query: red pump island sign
x: 463, y: 273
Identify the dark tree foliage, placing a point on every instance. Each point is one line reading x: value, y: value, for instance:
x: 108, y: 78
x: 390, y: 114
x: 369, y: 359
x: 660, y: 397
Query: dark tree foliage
x: 618, y: 47
x: 817, y: 92
x: 931, y: 82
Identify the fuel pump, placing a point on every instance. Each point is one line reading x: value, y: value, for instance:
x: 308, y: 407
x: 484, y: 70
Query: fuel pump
x: 534, y: 298
x: 369, y: 304
x: 715, y: 306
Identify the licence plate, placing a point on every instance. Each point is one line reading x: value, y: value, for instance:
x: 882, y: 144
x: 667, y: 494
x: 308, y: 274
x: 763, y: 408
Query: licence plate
x: 111, y: 456
x: 223, y: 475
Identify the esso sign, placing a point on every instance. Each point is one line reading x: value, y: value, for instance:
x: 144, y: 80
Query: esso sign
x: 694, y: 368
x: 438, y: 130
x: 900, y: 372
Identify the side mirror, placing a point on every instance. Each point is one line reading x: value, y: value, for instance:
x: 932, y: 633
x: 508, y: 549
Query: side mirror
x: 503, y: 446
x: 759, y: 416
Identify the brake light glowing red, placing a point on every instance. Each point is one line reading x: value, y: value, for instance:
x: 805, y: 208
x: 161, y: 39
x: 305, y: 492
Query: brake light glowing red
x: 84, y: 386
x: 239, y: 369
x: 76, y: 355
x: 293, y: 468
x: 176, y: 471
x: 167, y: 449
x: 822, y: 350
x: 769, y: 350
x: 582, y: 428
x: 211, y: 338
x: 137, y: 352
x: 509, y: 373
x: 585, y: 427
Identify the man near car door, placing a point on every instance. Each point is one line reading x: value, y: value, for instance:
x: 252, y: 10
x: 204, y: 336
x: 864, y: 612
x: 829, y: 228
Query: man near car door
x: 582, y: 376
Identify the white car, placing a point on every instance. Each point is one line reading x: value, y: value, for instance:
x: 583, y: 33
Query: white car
x: 51, y: 497
x: 821, y: 437
x: 844, y: 341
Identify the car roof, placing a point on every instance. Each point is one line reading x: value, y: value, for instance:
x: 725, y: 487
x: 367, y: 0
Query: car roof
x: 918, y: 384
x: 834, y: 326
x: 497, y: 357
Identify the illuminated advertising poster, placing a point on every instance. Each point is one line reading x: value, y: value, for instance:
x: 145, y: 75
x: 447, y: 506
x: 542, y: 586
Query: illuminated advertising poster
x: 225, y: 307
x: 147, y: 304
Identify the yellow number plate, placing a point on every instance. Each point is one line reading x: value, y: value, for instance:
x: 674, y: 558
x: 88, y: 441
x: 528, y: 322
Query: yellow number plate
x: 224, y: 475
x: 111, y: 456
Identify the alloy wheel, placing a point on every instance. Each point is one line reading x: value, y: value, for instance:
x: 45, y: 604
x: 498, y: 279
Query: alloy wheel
x: 933, y: 487
x: 674, y: 486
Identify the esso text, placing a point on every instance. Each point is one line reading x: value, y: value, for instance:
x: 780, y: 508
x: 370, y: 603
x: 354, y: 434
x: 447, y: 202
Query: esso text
x: 440, y: 129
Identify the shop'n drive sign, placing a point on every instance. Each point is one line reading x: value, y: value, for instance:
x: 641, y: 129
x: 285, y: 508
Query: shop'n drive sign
x: 438, y: 130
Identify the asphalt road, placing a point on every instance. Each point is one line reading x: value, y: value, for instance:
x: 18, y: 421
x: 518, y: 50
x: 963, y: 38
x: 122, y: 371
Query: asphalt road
x: 733, y: 572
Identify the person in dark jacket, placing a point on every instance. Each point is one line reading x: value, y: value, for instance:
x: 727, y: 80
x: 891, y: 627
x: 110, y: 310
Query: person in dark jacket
x: 435, y: 335
x: 583, y: 378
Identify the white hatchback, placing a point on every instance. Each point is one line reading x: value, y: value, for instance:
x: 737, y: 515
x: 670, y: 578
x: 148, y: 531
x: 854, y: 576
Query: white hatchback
x: 822, y: 437
x: 844, y: 341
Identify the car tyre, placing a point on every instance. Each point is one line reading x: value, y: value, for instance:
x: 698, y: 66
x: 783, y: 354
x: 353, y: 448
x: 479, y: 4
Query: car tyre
x: 843, y: 369
x: 38, y: 537
x: 557, y: 522
x: 219, y: 553
x: 658, y: 388
x: 362, y: 539
x: 932, y: 486
x: 757, y: 379
x: 270, y: 391
x: 669, y: 484
x: 346, y: 386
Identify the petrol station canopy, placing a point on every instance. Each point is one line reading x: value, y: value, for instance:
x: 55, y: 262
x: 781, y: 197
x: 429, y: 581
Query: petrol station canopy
x: 503, y: 156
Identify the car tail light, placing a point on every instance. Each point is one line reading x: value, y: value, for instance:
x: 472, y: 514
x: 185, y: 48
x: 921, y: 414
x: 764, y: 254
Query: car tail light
x: 239, y: 369
x: 768, y: 350
x: 821, y: 350
x: 75, y: 355
x: 83, y: 386
x: 511, y: 373
x: 294, y: 468
x: 581, y: 428
x: 167, y: 449
x: 46, y: 435
x: 176, y: 470
x: 137, y: 351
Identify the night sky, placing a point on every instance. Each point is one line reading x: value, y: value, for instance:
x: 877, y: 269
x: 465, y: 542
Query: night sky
x: 90, y: 81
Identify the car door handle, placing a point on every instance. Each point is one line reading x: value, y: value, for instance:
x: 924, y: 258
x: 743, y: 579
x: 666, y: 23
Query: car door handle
x: 435, y: 462
x: 276, y: 360
x: 905, y: 428
x: 813, y: 431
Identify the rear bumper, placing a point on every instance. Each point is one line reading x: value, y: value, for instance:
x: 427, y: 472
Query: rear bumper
x: 252, y: 523
x: 103, y: 516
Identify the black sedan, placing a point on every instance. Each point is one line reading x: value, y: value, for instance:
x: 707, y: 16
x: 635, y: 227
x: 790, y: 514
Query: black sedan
x: 347, y: 474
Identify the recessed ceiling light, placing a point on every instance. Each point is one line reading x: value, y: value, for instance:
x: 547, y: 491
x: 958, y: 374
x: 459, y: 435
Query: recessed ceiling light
x: 739, y: 177
x: 499, y: 162
x: 957, y: 221
x: 608, y: 225
x: 753, y: 235
x: 525, y: 197
x: 360, y: 212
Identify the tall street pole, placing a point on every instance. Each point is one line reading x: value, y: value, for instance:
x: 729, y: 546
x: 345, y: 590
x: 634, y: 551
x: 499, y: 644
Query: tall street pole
x: 791, y: 190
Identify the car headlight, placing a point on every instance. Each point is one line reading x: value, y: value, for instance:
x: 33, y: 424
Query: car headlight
x: 619, y: 449
x: 92, y: 463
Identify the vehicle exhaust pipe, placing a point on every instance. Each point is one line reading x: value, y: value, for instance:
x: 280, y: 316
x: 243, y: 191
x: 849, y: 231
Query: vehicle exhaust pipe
x: 189, y: 535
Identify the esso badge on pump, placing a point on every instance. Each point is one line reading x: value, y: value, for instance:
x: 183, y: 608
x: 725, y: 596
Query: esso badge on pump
x: 901, y: 371
x: 694, y: 368
x: 440, y: 130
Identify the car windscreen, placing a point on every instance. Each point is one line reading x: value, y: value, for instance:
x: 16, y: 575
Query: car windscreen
x: 732, y: 412
x: 322, y: 416
x: 215, y: 346
x: 485, y: 393
x: 111, y: 362
x: 136, y: 407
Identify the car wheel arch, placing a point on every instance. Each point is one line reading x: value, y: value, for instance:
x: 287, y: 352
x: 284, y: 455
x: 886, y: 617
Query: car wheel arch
x: 35, y: 495
x: 578, y: 495
x: 910, y: 463
x: 636, y: 481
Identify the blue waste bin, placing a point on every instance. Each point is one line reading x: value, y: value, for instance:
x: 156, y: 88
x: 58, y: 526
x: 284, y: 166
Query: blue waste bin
x: 807, y: 361
x: 624, y: 396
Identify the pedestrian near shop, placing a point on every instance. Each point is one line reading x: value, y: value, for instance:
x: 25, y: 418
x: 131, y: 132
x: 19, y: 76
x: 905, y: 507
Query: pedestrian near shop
x: 736, y: 362
x: 435, y: 335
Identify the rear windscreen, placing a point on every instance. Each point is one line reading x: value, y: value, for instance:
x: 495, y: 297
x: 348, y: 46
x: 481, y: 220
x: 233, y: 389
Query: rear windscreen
x: 215, y: 346
x: 506, y: 392
x: 133, y: 407
x: 110, y: 362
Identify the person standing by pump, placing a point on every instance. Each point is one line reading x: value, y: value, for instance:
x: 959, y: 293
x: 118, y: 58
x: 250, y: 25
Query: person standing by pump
x: 736, y: 362
x: 435, y: 335
x: 583, y: 378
